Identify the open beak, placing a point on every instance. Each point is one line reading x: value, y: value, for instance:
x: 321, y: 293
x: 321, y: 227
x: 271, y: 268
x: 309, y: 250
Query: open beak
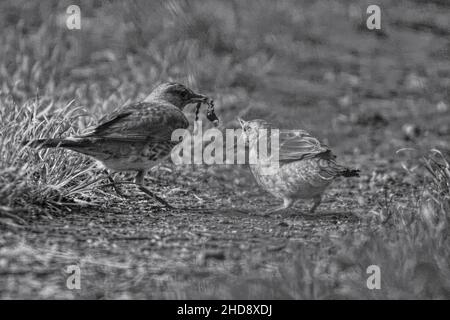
x: 241, y: 122
x: 243, y: 133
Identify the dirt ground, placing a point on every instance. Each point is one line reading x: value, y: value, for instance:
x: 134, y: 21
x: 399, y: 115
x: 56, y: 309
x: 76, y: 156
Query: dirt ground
x: 127, y: 246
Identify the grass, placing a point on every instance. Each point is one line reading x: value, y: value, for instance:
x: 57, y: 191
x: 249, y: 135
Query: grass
x: 310, y: 65
x: 44, y: 179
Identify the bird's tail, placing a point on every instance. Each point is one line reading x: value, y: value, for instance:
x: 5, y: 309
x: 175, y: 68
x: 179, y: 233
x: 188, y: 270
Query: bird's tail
x: 346, y: 172
x: 55, y: 143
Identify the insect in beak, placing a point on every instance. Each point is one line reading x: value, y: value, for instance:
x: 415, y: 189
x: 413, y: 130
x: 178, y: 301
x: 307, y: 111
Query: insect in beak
x: 210, y: 113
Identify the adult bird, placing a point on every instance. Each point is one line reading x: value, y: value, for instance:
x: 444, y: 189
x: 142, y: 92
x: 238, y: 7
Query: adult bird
x: 304, y: 168
x: 135, y: 137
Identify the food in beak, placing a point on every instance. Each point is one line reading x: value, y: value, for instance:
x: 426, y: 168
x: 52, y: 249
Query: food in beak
x: 241, y: 122
x: 210, y: 114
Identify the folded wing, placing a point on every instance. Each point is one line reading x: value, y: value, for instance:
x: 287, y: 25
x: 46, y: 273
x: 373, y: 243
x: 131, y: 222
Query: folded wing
x: 298, y: 144
x: 145, y: 121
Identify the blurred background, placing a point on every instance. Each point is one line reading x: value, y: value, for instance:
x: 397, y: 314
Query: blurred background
x: 307, y: 64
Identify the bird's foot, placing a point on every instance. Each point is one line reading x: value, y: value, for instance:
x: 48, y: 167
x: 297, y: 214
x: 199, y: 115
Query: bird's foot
x: 278, y: 210
x: 263, y: 213
x: 114, y: 184
x: 292, y: 215
x: 258, y: 213
x: 240, y: 210
x: 119, y: 192
x: 317, y: 201
x: 117, y: 189
x: 198, y: 210
x: 154, y: 196
x: 272, y: 211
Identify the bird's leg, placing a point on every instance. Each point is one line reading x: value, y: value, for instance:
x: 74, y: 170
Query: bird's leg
x: 287, y: 203
x: 113, y: 184
x: 317, y: 201
x: 139, y: 180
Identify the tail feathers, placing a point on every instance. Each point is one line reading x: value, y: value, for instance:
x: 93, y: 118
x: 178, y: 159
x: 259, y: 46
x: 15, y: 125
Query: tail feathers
x: 350, y: 173
x: 54, y: 143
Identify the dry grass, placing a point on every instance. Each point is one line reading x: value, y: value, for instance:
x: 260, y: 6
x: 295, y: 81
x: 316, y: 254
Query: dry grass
x: 44, y: 179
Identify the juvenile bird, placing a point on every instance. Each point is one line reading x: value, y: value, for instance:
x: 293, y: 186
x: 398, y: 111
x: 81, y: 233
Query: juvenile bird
x: 305, y: 166
x: 135, y: 137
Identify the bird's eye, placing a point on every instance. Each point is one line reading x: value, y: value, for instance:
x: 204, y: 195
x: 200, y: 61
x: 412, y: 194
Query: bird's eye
x: 184, y: 94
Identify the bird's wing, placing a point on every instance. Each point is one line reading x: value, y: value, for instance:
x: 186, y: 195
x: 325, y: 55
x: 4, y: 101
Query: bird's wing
x: 144, y: 121
x: 298, y: 144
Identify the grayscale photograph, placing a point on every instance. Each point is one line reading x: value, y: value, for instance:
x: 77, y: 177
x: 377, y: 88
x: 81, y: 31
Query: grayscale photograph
x: 218, y: 150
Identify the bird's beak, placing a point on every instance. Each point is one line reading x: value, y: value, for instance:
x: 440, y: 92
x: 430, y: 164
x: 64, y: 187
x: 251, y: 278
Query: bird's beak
x: 241, y: 122
x: 199, y: 98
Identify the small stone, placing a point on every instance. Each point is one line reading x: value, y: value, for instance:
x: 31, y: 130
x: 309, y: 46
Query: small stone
x: 283, y: 224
